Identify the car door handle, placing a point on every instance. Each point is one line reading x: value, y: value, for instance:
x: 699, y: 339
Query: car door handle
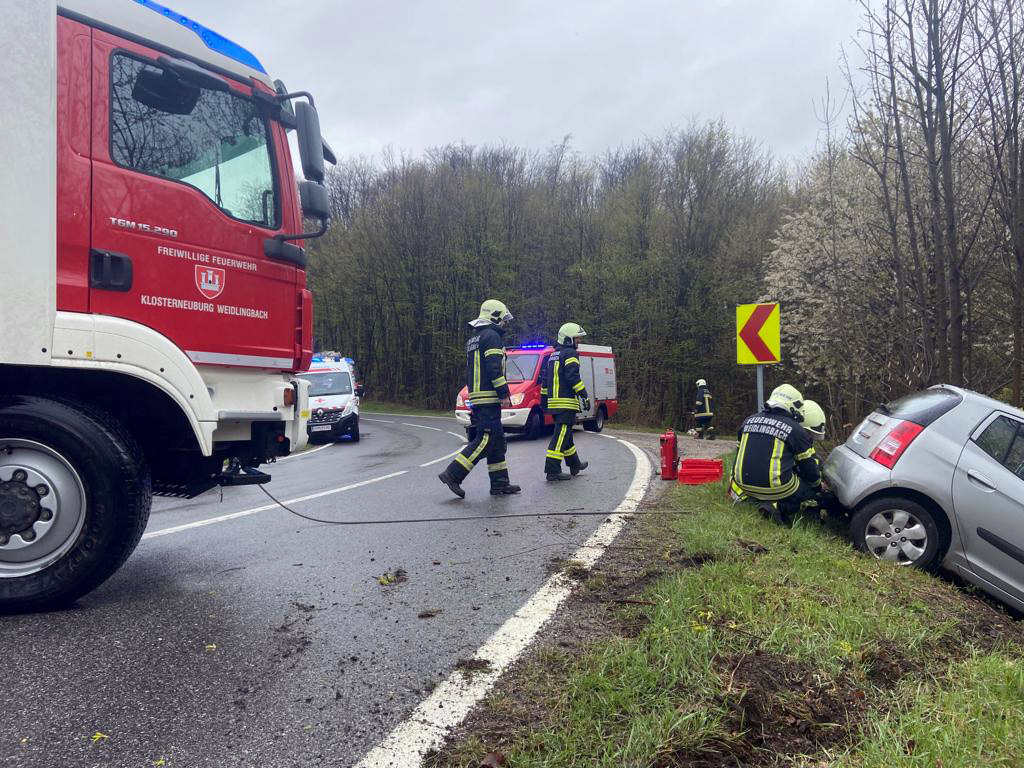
x: 979, y: 479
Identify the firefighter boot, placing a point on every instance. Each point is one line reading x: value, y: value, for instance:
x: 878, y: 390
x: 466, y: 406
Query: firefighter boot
x: 559, y: 475
x: 453, y: 484
x: 575, y: 467
x: 504, y: 489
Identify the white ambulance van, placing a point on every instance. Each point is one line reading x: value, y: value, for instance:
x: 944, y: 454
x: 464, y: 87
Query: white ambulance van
x: 333, y: 400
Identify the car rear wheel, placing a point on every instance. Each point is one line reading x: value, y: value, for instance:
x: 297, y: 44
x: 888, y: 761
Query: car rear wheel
x: 897, y: 530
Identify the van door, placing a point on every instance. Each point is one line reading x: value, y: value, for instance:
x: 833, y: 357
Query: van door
x: 186, y: 187
x: 988, y: 498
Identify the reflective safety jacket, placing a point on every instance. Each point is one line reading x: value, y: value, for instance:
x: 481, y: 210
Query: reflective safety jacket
x: 563, y: 386
x: 774, y: 455
x: 702, y: 406
x: 485, y: 366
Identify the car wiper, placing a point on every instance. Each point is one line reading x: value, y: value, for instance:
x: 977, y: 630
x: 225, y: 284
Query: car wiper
x: 884, y: 409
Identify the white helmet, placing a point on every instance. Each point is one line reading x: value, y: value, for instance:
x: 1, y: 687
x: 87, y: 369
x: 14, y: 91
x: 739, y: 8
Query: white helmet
x: 701, y: 383
x: 786, y: 397
x: 814, y: 419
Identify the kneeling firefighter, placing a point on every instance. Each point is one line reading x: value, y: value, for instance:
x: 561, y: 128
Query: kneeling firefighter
x: 488, y: 391
x: 814, y: 422
x: 561, y: 393
x: 775, y: 462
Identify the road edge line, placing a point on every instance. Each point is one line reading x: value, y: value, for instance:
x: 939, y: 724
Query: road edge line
x: 430, y: 722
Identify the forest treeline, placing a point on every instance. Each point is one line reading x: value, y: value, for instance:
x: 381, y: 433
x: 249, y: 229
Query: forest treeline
x: 896, y: 249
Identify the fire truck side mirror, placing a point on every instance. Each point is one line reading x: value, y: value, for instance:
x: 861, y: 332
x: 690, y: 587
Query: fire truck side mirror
x: 314, y: 200
x: 311, y: 142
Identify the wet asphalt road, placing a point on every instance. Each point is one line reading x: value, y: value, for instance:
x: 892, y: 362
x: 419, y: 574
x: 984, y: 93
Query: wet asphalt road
x: 266, y: 640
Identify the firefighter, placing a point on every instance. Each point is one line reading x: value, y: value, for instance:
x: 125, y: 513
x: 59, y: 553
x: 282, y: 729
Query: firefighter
x: 488, y: 391
x: 814, y: 422
x: 775, y: 462
x: 562, y: 394
x: 704, y: 413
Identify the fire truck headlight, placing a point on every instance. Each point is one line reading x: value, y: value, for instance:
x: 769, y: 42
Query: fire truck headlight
x: 517, y: 399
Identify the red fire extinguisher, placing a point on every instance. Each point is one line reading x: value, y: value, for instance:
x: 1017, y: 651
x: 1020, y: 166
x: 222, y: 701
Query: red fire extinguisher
x: 669, y: 455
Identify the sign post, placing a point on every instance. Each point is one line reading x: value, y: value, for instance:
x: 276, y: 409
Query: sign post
x: 758, y: 339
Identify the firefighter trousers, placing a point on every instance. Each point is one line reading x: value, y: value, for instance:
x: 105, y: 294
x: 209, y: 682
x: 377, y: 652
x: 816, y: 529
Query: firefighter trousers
x: 705, y: 429
x: 562, y: 448
x: 488, y: 441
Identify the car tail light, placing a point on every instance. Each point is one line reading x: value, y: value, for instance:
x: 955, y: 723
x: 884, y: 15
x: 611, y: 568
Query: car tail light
x: 892, y: 446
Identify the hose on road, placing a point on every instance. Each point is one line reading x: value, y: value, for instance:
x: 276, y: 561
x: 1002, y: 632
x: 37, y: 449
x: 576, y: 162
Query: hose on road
x: 568, y: 513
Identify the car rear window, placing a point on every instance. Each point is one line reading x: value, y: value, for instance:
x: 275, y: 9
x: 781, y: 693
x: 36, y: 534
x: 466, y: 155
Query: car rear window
x: 923, y: 407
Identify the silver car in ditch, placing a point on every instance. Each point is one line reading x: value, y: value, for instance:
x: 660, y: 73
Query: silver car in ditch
x: 937, y: 478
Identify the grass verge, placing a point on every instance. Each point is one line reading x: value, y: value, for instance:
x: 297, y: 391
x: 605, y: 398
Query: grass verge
x: 723, y: 640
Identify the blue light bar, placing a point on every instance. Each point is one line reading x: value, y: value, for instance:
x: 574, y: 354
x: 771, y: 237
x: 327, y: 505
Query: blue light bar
x: 531, y: 346
x: 317, y: 360
x: 217, y: 43
x: 350, y: 361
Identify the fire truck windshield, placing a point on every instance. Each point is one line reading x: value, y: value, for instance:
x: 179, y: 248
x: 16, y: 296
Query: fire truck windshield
x: 214, y: 141
x: 328, y: 383
x: 520, y: 367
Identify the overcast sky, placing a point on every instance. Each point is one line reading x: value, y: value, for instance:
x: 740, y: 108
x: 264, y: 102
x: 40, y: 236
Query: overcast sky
x: 412, y: 74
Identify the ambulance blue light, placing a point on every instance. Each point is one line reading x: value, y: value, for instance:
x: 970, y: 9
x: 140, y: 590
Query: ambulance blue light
x: 317, y: 360
x: 350, y: 361
x: 217, y: 43
x: 531, y: 346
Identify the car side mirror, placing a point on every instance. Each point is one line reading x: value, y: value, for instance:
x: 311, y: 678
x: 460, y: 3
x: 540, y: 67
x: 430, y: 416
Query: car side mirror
x: 360, y: 391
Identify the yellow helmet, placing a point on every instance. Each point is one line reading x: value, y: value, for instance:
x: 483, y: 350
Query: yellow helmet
x: 814, y: 419
x: 494, y: 311
x: 786, y: 397
x: 570, y: 331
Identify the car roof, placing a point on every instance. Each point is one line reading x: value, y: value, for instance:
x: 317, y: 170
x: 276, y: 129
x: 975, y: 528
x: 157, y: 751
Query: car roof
x: 976, y: 398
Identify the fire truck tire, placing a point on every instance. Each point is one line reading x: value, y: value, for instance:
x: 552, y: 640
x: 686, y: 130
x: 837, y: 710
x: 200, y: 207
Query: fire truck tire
x: 75, y: 495
x: 596, y: 424
x: 354, y: 431
x: 534, y: 425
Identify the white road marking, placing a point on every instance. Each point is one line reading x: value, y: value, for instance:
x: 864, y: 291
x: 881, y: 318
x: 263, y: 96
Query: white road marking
x: 379, y: 421
x: 438, y: 461
x: 452, y: 700
x: 304, y: 453
x: 421, y: 426
x: 265, y: 507
x: 463, y: 438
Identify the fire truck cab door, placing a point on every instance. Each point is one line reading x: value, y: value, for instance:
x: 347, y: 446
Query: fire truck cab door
x: 186, y: 187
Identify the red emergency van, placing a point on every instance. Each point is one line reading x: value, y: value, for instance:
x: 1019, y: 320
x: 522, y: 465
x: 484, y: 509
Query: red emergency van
x: 523, y: 370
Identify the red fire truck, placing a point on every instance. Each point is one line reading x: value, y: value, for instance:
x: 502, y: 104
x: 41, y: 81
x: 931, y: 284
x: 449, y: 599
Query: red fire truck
x: 524, y: 366
x: 154, y: 311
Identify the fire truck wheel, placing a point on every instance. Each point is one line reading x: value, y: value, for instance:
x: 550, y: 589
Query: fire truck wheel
x: 534, y: 425
x: 75, y: 493
x: 595, y: 424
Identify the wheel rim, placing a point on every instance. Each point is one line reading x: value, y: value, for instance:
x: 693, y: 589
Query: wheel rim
x: 42, y: 507
x: 897, y: 536
x: 600, y: 419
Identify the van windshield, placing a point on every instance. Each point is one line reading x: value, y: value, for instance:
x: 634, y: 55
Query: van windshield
x: 329, y: 383
x: 520, y: 367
